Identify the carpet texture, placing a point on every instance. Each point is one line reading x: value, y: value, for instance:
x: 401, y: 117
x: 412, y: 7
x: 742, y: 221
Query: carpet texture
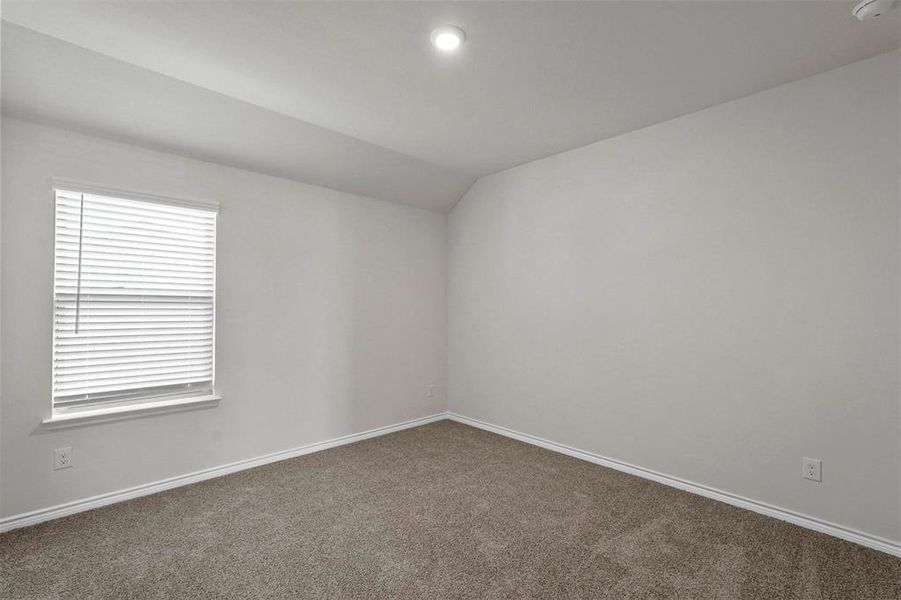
x: 439, y: 511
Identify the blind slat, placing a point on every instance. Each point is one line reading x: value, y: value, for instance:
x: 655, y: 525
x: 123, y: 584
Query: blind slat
x: 71, y: 254
x: 66, y: 263
x: 73, y: 380
x: 102, y: 398
x: 136, y: 346
x: 123, y: 358
x: 125, y: 241
x: 139, y: 207
x: 132, y: 385
x: 109, y: 343
x: 67, y: 211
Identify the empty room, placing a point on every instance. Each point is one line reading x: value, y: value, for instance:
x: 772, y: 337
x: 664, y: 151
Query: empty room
x: 427, y: 300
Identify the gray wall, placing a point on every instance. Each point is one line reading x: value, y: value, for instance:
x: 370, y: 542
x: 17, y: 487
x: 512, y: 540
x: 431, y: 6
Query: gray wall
x: 713, y: 298
x: 331, y: 319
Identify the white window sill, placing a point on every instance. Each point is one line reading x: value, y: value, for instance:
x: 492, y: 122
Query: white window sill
x: 134, y: 411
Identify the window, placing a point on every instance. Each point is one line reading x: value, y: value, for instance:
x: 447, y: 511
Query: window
x: 134, y: 301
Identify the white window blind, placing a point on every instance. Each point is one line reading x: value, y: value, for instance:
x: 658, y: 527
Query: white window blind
x: 134, y: 301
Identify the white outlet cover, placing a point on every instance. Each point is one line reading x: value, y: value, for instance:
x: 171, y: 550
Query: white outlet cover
x: 62, y: 458
x: 812, y: 469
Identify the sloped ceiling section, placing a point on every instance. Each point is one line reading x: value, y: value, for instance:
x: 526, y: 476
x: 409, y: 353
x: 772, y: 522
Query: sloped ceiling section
x: 51, y: 81
x: 350, y: 95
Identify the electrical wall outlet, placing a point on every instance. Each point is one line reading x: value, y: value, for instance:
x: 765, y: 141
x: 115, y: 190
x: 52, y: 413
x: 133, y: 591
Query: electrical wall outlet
x: 431, y: 392
x: 62, y: 458
x: 812, y: 469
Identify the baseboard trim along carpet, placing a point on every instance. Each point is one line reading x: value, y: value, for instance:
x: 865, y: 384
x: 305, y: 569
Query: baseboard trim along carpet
x: 844, y: 533
x: 77, y: 506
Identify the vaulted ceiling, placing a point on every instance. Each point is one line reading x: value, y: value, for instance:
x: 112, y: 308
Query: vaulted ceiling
x: 351, y: 95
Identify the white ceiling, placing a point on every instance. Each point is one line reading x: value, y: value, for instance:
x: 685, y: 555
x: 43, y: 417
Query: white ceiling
x: 533, y: 79
x: 50, y: 81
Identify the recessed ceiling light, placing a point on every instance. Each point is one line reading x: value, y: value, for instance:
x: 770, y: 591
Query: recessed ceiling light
x: 447, y: 38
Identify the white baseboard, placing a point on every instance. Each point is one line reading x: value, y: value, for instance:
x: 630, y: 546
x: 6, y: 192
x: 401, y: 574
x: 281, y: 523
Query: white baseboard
x: 70, y: 508
x: 845, y: 533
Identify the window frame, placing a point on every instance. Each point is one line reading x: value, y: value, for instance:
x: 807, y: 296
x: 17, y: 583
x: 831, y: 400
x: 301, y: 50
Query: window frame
x: 149, y: 405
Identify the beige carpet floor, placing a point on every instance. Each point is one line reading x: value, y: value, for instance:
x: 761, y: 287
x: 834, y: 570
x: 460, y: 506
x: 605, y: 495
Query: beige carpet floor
x: 440, y: 511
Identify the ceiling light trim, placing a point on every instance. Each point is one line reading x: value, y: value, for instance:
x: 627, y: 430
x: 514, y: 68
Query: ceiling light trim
x: 447, y: 38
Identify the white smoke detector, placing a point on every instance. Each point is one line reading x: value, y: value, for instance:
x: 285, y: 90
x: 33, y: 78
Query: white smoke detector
x: 870, y: 9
